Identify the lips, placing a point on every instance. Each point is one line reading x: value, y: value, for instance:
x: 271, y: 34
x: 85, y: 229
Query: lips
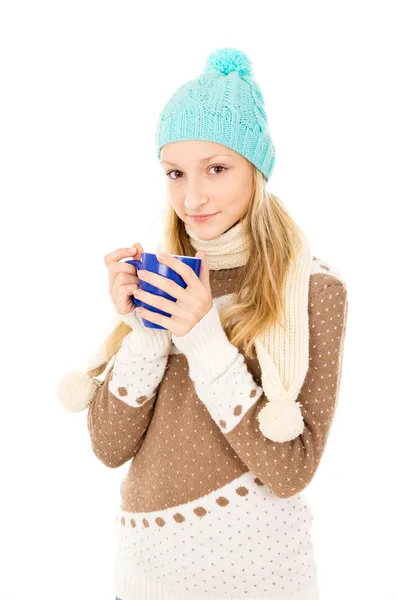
x: 202, y: 217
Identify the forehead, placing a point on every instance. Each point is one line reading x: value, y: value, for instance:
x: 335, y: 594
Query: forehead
x: 193, y: 152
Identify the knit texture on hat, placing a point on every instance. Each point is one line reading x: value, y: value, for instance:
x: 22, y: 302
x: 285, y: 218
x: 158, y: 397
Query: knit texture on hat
x: 224, y: 105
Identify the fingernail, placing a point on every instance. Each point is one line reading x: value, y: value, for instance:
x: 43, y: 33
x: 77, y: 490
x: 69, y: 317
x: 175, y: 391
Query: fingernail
x: 133, y: 250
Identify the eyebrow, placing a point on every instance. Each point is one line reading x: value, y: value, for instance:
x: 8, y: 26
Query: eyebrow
x: 203, y: 160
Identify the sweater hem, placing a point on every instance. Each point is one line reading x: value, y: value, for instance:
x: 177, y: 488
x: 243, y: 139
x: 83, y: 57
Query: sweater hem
x: 135, y: 585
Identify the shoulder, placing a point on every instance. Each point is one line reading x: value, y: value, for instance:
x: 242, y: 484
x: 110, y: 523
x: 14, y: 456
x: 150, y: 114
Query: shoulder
x: 325, y: 277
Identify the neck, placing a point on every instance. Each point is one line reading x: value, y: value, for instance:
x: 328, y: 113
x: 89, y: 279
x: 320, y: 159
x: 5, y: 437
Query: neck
x: 228, y: 250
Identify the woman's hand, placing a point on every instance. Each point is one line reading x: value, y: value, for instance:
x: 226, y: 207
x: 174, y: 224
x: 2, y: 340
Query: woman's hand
x: 192, y: 303
x: 123, y: 280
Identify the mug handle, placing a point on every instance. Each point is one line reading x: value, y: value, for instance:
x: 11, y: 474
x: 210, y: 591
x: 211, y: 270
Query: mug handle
x: 138, y: 265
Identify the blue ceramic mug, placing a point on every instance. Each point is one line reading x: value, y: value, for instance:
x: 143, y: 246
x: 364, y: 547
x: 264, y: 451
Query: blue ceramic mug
x: 149, y: 262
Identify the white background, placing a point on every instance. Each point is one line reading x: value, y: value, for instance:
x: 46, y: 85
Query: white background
x: 82, y: 86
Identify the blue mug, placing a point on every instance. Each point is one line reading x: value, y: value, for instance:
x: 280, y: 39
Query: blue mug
x: 149, y: 262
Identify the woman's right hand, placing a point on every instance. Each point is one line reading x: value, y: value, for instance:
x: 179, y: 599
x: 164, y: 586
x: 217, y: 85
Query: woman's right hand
x: 123, y: 279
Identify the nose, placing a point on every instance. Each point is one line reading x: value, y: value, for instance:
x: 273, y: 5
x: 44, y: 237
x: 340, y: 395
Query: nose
x: 194, y: 201
x: 195, y: 197
x: 194, y: 207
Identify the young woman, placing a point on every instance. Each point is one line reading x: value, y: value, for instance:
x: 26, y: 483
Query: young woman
x: 224, y: 414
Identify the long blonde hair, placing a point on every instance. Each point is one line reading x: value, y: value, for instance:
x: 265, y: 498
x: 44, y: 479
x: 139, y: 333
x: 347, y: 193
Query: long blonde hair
x: 258, y: 300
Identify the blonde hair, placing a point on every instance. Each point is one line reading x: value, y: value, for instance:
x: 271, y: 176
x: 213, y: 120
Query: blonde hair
x: 258, y: 300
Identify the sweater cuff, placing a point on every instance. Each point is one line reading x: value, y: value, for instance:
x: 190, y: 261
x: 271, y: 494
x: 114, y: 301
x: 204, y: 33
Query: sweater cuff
x: 207, y: 347
x: 148, y: 341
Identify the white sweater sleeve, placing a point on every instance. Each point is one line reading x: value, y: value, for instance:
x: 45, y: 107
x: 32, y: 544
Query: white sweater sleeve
x: 140, y: 362
x: 218, y: 370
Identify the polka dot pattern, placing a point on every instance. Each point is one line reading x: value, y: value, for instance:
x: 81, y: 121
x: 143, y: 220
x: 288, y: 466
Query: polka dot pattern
x: 229, y: 397
x: 238, y: 541
x: 189, y: 453
x: 185, y: 454
x: 287, y: 468
x: 209, y: 506
x: 116, y: 429
x: 120, y: 412
x: 137, y: 374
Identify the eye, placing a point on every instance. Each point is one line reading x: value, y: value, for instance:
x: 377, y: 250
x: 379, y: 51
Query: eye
x: 219, y: 167
x: 180, y: 173
x: 170, y: 172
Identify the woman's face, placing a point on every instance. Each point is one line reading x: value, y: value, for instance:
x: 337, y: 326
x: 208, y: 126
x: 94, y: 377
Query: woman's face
x: 204, y: 178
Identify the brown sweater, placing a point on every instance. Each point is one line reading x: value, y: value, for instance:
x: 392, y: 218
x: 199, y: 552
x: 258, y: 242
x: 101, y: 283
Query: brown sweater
x: 148, y: 409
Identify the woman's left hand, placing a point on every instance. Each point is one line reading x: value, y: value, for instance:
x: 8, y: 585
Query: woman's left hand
x: 192, y: 302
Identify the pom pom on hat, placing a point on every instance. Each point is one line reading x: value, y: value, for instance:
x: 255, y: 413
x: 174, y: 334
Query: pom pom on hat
x: 227, y: 60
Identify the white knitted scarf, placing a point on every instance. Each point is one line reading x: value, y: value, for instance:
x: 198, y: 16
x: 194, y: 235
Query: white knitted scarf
x: 283, y: 352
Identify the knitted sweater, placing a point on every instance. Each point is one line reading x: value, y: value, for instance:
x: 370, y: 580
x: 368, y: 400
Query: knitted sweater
x: 211, y: 508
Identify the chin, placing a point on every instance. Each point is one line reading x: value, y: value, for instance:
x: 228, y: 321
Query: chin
x: 206, y: 232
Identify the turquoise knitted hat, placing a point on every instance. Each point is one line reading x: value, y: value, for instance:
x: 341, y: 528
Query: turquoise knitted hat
x: 225, y: 105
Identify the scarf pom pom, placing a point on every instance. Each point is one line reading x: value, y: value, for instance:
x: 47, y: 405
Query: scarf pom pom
x: 281, y: 421
x: 75, y: 390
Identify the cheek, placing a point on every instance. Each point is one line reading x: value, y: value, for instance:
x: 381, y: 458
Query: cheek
x: 243, y: 192
x: 176, y: 196
x: 178, y: 205
x: 173, y: 195
x: 232, y: 198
